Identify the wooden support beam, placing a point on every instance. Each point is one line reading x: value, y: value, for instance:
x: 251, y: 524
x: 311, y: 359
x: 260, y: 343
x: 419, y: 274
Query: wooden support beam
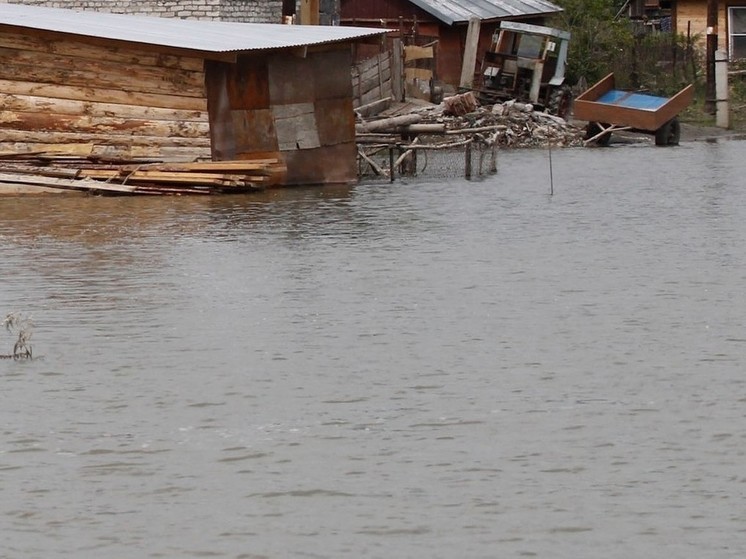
x: 470, y: 53
x: 309, y: 12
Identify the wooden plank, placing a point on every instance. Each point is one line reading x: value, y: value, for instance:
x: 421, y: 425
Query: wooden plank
x: 35, y: 103
x: 397, y: 71
x: 248, y: 165
x: 103, y: 95
x: 412, y: 74
x: 372, y: 95
x: 70, y: 184
x: 43, y: 137
x: 309, y: 12
x: 470, y: 53
x: 296, y: 126
x: 220, y: 179
x: 37, y: 122
x: 413, y: 53
x: 134, y: 80
x: 66, y: 46
x: 383, y: 61
x: 135, y: 72
x: 25, y: 169
x: 382, y: 81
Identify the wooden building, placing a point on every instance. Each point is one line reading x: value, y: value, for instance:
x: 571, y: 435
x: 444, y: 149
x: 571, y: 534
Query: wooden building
x: 690, y: 18
x: 445, y: 23
x: 134, y: 87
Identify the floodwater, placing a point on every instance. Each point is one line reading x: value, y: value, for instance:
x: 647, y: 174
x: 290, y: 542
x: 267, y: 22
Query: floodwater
x: 425, y: 369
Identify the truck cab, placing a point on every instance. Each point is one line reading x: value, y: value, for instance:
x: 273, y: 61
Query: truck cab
x: 527, y: 63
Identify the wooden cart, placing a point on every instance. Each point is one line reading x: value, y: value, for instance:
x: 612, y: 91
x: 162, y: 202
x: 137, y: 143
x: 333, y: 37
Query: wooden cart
x: 608, y: 110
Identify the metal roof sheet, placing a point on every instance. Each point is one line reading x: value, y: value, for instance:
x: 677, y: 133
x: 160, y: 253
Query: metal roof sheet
x: 459, y: 11
x: 198, y: 35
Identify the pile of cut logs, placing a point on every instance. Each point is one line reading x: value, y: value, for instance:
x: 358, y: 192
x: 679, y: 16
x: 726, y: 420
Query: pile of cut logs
x: 60, y: 171
x: 509, y: 124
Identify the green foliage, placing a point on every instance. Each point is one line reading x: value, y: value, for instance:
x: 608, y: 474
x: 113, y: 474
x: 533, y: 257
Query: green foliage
x: 597, y: 37
x: 601, y: 43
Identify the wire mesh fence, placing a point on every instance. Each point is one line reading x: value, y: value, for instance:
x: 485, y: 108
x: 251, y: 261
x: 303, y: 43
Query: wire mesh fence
x: 462, y: 159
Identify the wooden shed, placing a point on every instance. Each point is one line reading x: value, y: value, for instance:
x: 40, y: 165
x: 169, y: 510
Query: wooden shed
x: 445, y: 22
x: 179, y: 90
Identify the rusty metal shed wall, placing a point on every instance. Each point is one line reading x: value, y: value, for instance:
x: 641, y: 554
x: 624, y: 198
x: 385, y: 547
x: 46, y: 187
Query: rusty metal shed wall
x: 194, y: 35
x: 460, y: 11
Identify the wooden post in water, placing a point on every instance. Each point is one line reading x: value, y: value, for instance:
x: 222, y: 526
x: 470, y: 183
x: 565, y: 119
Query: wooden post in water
x: 551, y: 173
x: 467, y: 161
x: 391, y: 163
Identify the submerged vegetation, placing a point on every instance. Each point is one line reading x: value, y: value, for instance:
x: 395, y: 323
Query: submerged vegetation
x: 19, y: 326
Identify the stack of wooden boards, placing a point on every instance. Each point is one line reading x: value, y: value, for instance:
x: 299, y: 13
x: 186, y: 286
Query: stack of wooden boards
x: 53, y: 170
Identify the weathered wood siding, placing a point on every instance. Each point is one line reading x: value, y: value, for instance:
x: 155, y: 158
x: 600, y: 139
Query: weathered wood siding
x: 286, y: 105
x: 378, y: 77
x: 124, y: 101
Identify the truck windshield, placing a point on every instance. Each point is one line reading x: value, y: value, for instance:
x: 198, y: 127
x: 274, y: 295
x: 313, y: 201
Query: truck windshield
x: 530, y: 46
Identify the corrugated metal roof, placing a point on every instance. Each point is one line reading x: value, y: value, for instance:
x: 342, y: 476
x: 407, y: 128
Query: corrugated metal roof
x: 198, y: 35
x: 458, y: 11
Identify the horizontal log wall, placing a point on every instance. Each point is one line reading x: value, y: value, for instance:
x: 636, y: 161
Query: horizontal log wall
x: 124, y: 100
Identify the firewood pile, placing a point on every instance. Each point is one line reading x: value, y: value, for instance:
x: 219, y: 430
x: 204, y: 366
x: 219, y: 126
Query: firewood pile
x: 57, y: 170
x: 510, y: 124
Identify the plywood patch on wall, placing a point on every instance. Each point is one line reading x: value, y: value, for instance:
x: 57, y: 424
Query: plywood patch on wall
x: 296, y: 126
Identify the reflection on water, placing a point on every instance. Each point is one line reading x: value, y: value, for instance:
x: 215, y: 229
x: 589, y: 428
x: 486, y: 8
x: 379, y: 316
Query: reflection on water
x: 423, y: 369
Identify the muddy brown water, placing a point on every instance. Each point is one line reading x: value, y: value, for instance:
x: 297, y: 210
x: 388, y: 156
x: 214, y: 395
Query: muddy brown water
x: 434, y: 368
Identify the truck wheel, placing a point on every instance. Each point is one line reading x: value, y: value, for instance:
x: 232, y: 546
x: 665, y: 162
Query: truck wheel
x: 559, y: 102
x: 592, y: 129
x: 668, y: 134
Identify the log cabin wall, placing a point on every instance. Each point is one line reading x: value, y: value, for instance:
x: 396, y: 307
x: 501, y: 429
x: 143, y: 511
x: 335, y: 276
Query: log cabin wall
x: 295, y: 105
x: 116, y: 99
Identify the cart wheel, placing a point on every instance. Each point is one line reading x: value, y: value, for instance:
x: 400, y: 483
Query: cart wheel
x: 668, y: 134
x: 592, y: 129
x: 560, y: 101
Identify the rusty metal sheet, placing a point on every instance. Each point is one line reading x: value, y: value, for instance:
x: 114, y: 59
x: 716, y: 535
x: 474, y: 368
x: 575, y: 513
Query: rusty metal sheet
x: 254, y: 131
x: 331, y: 77
x: 335, y: 121
x: 248, y: 83
x: 291, y: 79
x: 324, y: 165
x: 222, y: 139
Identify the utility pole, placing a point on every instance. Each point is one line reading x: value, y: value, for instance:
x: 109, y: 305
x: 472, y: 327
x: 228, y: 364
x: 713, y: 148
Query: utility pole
x: 712, y: 45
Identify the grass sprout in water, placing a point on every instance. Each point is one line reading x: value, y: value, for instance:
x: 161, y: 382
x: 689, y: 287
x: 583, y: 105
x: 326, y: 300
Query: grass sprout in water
x: 20, y: 326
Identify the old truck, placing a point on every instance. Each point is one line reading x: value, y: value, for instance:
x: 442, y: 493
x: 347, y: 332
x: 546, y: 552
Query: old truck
x: 527, y: 63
